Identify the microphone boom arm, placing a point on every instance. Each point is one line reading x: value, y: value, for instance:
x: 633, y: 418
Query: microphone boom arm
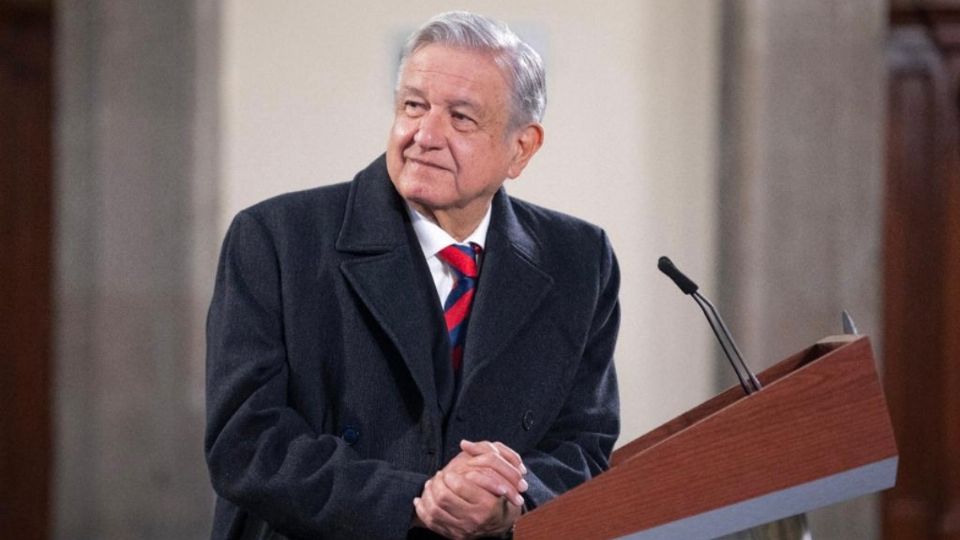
x: 727, y: 343
x: 747, y: 379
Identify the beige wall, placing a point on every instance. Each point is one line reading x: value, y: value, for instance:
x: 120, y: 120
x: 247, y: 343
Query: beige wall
x: 630, y: 142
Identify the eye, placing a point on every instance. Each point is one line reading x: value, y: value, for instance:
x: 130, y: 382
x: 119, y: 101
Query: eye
x: 413, y: 108
x: 461, y: 120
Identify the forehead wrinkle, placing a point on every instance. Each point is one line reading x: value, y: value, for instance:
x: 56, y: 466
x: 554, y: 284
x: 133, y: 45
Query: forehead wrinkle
x: 463, y: 103
x: 407, y: 89
x: 422, y: 65
x: 415, y: 61
x: 471, y: 86
x: 458, y: 101
x: 494, y: 57
x: 445, y: 73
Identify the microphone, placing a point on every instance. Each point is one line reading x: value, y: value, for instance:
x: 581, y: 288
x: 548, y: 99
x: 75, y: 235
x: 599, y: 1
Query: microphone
x: 748, y: 381
x: 686, y: 284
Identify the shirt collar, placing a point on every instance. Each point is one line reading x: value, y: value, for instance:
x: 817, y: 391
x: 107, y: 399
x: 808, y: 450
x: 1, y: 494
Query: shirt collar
x: 432, y: 238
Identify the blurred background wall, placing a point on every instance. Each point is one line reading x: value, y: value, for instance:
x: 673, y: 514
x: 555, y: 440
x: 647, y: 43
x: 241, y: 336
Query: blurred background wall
x: 744, y: 138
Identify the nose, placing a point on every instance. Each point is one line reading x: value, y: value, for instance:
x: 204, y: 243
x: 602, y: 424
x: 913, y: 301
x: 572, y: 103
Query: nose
x: 430, y: 133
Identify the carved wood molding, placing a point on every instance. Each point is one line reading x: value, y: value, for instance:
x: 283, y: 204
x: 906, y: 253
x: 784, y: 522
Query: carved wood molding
x: 922, y: 268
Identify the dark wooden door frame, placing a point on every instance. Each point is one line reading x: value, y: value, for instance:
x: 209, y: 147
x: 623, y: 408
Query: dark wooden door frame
x: 26, y: 125
x: 922, y: 271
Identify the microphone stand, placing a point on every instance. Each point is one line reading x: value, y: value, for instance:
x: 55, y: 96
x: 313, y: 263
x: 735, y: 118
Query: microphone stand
x: 748, y: 381
x: 744, y: 375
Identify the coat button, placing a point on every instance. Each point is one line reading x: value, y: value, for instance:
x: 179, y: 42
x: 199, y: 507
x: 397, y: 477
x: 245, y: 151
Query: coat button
x: 528, y: 420
x: 350, y: 435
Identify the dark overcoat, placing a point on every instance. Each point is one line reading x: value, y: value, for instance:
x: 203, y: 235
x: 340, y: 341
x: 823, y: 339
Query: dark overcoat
x: 329, y: 394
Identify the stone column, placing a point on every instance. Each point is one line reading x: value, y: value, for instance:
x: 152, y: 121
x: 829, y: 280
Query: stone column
x: 802, y: 131
x: 136, y: 215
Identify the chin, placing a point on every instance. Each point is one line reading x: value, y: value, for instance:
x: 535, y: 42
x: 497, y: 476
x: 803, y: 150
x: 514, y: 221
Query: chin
x: 424, y: 190
x: 429, y: 199
x: 426, y: 200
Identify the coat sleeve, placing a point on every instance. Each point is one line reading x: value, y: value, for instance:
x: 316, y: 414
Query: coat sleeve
x: 578, y: 444
x: 262, y: 455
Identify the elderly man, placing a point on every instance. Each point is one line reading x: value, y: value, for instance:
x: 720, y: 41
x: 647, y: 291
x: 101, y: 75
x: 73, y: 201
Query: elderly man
x: 414, y: 352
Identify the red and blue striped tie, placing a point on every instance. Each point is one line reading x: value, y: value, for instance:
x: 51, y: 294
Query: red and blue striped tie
x: 456, y: 310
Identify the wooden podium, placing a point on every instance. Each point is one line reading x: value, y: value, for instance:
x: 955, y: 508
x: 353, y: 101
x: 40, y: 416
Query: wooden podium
x: 818, y: 433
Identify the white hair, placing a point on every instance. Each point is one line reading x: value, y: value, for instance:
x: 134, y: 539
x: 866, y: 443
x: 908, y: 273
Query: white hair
x: 519, y: 61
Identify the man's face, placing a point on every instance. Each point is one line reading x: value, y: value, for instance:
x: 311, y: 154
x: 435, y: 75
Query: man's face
x: 449, y: 148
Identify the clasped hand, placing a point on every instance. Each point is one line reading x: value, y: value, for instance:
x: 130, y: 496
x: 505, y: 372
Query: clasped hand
x: 476, y: 494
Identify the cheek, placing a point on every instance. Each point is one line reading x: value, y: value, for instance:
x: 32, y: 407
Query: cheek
x: 394, y: 153
x: 399, y: 138
x: 479, y: 157
x: 464, y: 152
x: 401, y: 133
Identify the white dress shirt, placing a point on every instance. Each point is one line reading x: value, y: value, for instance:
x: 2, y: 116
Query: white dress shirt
x: 433, y: 239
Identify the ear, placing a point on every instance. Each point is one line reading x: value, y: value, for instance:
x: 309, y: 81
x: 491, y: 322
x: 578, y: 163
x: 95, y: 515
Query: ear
x: 527, y: 140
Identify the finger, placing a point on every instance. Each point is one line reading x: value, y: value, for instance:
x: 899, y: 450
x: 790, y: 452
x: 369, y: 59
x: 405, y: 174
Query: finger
x: 506, y: 515
x: 436, y: 518
x: 431, y: 522
x: 508, y: 454
x: 493, y: 485
x: 477, y: 447
x: 472, y: 492
x: 464, y: 462
x: 502, y: 467
x: 447, y: 499
x: 511, y: 456
x: 476, y: 510
x: 421, y: 512
x: 460, y: 463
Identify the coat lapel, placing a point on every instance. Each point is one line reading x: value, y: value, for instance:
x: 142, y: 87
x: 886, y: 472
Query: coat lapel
x: 512, y: 285
x: 385, y: 274
x: 389, y: 279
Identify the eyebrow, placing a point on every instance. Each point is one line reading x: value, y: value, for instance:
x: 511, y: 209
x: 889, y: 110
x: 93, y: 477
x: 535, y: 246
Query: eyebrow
x: 412, y: 90
x: 463, y: 103
x: 409, y: 90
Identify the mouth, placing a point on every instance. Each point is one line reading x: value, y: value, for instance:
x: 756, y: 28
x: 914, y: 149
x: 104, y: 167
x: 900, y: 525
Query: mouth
x: 426, y: 163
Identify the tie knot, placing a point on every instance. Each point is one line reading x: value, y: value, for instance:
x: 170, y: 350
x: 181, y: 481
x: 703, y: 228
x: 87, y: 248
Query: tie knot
x: 461, y: 258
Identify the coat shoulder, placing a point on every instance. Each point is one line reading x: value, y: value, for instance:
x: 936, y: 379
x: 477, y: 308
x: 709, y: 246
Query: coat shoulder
x: 320, y: 203
x: 550, y: 226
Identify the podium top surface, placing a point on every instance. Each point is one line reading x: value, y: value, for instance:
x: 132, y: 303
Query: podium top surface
x: 818, y: 431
